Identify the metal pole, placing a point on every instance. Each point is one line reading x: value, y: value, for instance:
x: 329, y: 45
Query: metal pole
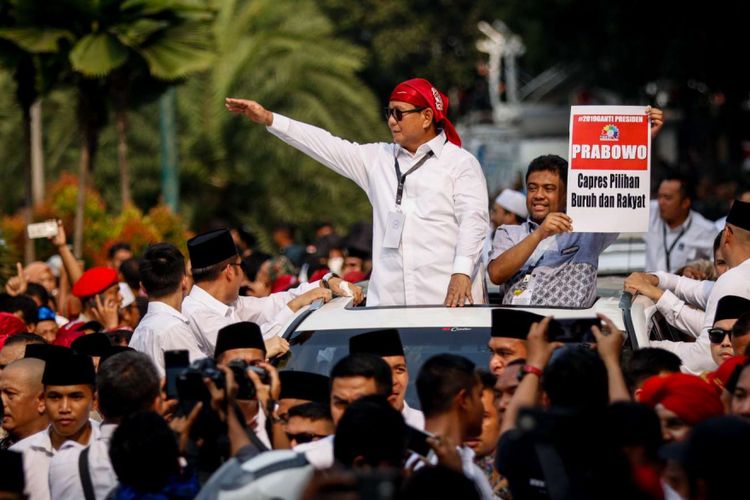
x: 37, y: 153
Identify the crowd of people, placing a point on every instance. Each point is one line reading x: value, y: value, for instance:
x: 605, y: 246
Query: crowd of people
x: 155, y: 376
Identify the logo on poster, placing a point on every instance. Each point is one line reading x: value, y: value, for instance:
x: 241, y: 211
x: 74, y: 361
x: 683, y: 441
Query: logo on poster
x: 610, y: 133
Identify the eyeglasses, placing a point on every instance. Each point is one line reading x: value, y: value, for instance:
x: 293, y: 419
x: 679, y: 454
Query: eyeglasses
x: 398, y: 114
x: 304, y: 437
x: 716, y: 335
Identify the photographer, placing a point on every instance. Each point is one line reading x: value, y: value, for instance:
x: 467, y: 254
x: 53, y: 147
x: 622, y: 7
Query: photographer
x: 240, y: 345
x: 564, y: 449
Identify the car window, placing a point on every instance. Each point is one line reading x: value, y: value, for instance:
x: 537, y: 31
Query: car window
x: 318, y: 351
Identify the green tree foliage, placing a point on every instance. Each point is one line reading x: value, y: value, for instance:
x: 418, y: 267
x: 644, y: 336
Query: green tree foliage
x: 418, y: 38
x: 283, y: 54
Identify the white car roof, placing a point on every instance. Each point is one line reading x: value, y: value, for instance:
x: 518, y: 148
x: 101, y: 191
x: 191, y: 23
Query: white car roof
x: 336, y: 316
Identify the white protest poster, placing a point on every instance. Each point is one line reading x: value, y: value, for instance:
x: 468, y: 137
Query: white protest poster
x: 609, y: 169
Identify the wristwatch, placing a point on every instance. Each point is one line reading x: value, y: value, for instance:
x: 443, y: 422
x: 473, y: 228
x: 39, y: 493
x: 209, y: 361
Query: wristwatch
x: 326, y: 278
x: 272, y: 407
x: 529, y: 369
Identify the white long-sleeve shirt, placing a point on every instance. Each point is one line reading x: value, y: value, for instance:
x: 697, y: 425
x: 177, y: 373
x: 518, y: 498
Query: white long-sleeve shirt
x: 680, y: 293
x: 164, y: 328
x: 37, y: 454
x: 693, y: 239
x: 65, y: 475
x: 696, y: 356
x: 444, y: 202
x: 207, y: 315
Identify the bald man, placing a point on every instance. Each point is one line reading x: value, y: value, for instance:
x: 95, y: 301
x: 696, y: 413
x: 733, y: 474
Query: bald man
x: 21, y: 390
x: 15, y: 347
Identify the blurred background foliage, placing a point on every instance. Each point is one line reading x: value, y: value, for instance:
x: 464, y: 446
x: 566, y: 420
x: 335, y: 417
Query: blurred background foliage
x: 333, y: 63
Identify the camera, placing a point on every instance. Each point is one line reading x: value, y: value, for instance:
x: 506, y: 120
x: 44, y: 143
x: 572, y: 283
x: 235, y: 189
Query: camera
x: 190, y: 386
x: 246, y: 388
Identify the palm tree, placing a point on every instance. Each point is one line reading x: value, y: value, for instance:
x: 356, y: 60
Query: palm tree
x: 282, y: 53
x: 112, y: 44
x: 29, y: 54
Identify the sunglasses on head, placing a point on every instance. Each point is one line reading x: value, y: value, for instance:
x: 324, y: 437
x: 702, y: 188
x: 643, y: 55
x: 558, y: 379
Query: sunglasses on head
x: 398, y: 114
x: 303, y: 437
x: 716, y: 335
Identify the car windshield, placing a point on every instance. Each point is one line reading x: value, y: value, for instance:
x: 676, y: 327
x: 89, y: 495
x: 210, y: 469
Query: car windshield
x: 317, y: 351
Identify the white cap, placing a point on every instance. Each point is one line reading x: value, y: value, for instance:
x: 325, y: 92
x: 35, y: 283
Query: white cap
x: 513, y: 201
x: 127, y: 295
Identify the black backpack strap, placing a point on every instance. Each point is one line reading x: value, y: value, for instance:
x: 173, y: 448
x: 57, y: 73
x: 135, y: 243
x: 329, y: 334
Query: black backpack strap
x: 555, y: 477
x: 83, y: 471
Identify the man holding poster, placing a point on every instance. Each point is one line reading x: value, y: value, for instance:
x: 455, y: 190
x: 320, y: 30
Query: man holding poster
x: 542, y: 261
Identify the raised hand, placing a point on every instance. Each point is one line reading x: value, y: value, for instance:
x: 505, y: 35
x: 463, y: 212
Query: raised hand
x: 107, y: 312
x: 17, y: 284
x: 251, y: 109
x: 656, y: 117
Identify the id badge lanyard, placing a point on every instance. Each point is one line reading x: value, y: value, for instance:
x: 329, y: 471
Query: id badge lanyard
x: 401, y: 178
x: 668, y: 251
x: 395, y: 223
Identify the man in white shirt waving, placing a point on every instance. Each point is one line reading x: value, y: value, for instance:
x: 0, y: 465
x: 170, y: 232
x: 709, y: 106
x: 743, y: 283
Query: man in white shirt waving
x: 429, y: 196
x: 214, y: 301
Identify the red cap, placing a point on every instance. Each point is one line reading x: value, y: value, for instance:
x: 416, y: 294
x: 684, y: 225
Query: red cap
x: 722, y: 374
x: 10, y: 324
x: 93, y: 281
x: 689, y: 397
x: 283, y: 283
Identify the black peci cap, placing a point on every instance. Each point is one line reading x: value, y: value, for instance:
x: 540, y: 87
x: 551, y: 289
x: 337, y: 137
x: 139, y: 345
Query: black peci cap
x: 731, y: 307
x: 511, y: 323
x: 211, y: 248
x: 45, y: 351
x: 93, y: 344
x: 69, y: 369
x: 306, y: 386
x: 739, y: 215
x: 242, y: 335
x: 380, y: 342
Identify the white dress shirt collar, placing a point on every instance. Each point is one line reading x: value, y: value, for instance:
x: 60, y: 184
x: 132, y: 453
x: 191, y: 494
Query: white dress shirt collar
x: 208, y: 300
x: 157, y: 307
x: 435, y: 145
x: 685, y: 224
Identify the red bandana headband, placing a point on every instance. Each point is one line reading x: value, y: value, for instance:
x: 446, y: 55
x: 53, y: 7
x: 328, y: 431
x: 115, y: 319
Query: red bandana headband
x: 689, y: 397
x: 422, y: 93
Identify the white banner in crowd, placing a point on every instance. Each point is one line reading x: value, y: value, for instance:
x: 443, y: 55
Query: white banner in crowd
x: 609, y: 169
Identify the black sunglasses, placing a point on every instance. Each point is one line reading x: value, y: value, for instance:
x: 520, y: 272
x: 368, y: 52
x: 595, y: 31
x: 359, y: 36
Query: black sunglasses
x: 716, y: 335
x: 303, y: 437
x: 398, y: 114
